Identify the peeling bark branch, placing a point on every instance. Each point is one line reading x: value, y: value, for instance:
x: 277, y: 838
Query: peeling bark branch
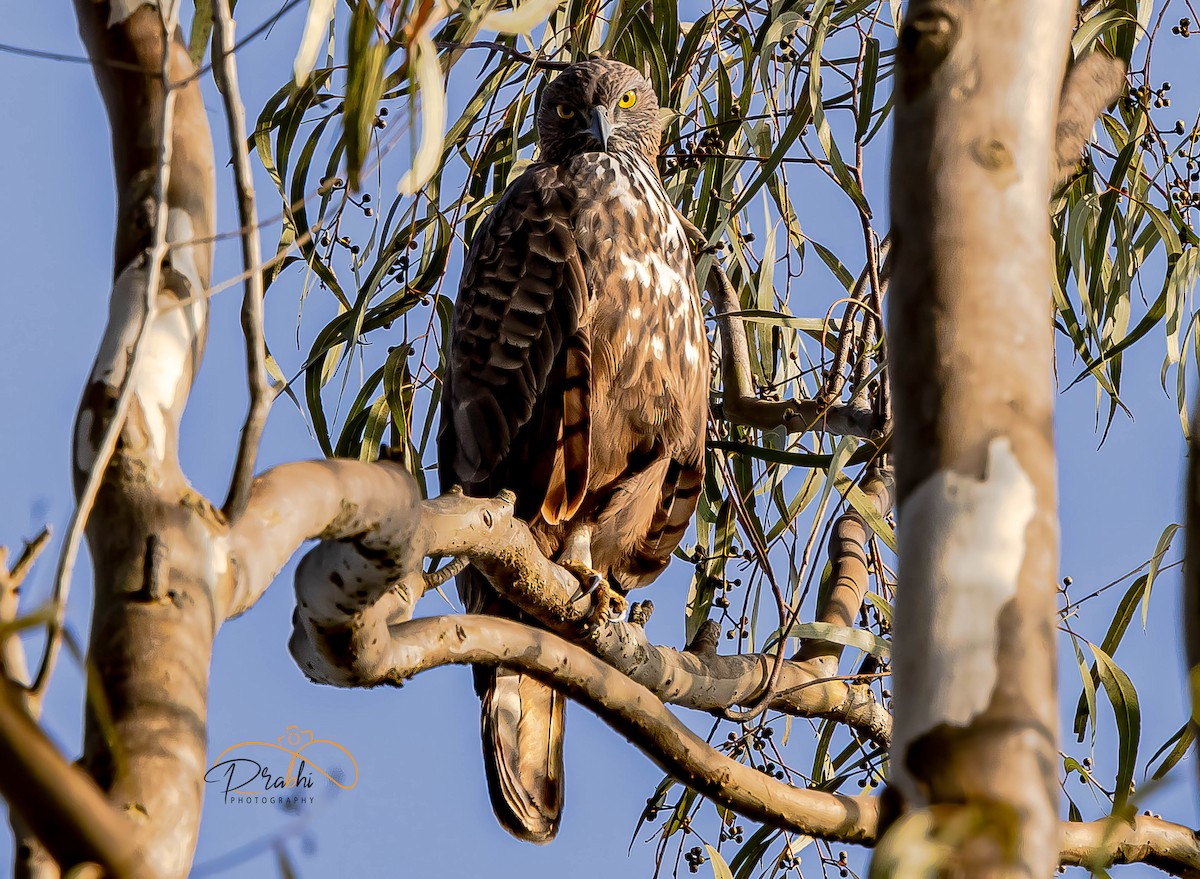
x: 102, y: 453
x: 378, y: 532
x: 155, y: 544
x: 636, y: 713
x: 1170, y: 847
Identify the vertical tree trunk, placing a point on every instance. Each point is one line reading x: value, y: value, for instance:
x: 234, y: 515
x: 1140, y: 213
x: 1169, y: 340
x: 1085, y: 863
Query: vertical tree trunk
x: 157, y: 554
x: 975, y: 751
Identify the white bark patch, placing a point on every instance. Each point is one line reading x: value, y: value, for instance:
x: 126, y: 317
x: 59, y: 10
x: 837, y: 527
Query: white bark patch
x: 119, y: 10
x: 163, y: 373
x: 962, y: 543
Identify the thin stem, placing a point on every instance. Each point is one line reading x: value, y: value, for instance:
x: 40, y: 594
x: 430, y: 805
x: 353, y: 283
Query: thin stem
x: 261, y: 393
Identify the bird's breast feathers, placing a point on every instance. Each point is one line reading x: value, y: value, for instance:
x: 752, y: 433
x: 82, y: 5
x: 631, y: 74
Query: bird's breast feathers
x: 645, y: 307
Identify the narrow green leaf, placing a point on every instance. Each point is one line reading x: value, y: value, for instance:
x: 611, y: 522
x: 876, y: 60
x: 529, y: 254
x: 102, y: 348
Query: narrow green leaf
x: 866, y: 508
x: 1160, y: 550
x: 860, y: 639
x: 364, y: 87
x: 1180, y: 743
x: 202, y: 25
x: 1127, y: 713
x: 866, y: 90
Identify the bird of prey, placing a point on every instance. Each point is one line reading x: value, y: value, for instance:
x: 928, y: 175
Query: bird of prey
x: 577, y: 377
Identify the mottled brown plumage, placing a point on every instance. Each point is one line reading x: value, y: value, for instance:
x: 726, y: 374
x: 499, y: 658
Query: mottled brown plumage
x: 577, y: 376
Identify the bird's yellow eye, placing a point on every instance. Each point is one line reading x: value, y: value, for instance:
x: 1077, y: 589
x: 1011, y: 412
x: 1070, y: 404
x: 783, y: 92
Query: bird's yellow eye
x: 564, y: 111
x: 627, y: 100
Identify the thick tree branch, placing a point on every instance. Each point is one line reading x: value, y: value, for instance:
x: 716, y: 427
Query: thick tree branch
x: 977, y: 96
x: 845, y: 589
x: 133, y: 376
x: 329, y: 500
x: 636, y: 713
x: 1170, y: 847
x: 378, y: 532
x: 155, y: 544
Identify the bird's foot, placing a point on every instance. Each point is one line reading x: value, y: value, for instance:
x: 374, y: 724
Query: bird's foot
x: 589, y: 578
x: 610, y: 604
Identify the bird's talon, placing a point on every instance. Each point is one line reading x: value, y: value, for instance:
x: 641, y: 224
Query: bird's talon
x: 589, y: 578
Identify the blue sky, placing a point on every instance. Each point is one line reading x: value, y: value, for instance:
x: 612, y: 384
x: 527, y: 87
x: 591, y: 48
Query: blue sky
x: 420, y: 807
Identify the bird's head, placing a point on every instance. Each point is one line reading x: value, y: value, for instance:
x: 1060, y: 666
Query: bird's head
x: 598, y: 105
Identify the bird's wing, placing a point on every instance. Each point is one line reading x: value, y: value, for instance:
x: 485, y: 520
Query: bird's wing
x: 515, y: 405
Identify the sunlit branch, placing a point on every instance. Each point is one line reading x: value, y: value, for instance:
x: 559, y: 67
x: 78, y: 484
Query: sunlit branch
x: 378, y: 532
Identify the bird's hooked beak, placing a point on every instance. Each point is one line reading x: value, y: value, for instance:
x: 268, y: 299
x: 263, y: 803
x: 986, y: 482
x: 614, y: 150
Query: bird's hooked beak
x: 601, y: 126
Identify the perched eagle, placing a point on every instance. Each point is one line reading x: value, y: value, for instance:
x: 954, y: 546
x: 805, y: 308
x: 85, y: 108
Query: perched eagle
x: 577, y: 377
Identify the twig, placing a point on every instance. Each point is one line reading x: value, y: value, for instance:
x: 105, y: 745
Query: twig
x: 515, y: 54
x: 13, y: 663
x: 831, y: 391
x: 739, y: 402
x: 763, y: 702
x: 261, y: 395
x: 112, y: 431
x: 872, y: 318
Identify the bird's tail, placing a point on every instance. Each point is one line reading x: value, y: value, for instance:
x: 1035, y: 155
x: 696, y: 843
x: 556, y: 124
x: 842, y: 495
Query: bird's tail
x: 523, y: 751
